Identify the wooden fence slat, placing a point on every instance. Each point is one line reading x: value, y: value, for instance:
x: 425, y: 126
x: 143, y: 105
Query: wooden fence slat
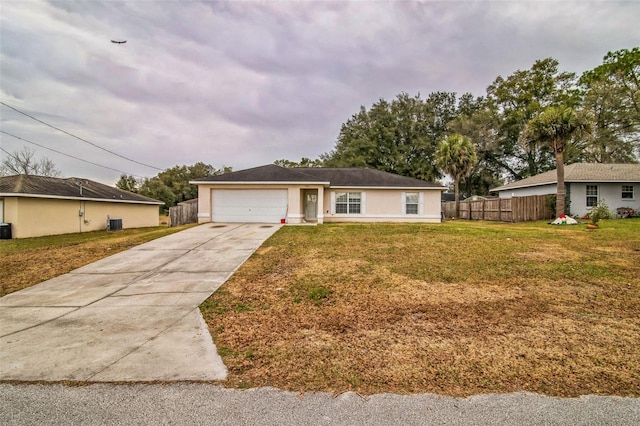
x: 515, y: 209
x: 183, y: 214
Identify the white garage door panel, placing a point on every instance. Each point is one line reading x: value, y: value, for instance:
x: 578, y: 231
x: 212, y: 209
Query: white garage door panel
x: 249, y: 205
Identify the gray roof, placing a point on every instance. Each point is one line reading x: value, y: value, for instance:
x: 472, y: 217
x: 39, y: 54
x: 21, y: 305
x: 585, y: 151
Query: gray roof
x: 188, y: 202
x: 70, y: 188
x: 334, y: 177
x: 580, y: 172
x: 268, y: 173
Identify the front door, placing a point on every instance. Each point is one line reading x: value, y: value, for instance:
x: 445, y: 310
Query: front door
x: 311, y: 204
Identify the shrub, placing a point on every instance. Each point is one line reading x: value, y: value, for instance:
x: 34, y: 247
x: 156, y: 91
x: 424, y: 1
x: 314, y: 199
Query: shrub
x: 599, y: 211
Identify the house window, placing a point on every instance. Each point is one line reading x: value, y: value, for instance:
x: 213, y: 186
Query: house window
x: 627, y: 192
x: 348, y: 202
x: 592, y: 195
x: 411, y: 203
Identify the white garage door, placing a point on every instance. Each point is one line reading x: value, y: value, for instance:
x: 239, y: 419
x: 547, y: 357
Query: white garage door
x: 249, y: 205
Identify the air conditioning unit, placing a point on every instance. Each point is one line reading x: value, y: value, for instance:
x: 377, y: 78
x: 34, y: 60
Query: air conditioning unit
x: 115, y: 224
x: 5, y: 231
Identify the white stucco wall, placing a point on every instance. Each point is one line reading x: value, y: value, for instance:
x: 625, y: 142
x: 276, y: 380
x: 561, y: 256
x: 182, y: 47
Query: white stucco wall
x: 385, y: 205
x: 611, y: 193
x: 533, y: 190
x: 295, y: 213
x: 381, y: 205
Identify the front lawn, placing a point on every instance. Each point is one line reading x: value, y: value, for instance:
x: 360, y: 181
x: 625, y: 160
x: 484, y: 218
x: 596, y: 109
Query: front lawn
x: 458, y: 308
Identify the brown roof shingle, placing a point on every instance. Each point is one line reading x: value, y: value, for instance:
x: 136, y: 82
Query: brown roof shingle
x: 335, y: 177
x: 71, y: 188
x: 268, y: 173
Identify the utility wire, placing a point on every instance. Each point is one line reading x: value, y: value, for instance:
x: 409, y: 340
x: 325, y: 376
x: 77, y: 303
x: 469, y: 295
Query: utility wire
x: 78, y: 137
x: 8, y: 153
x: 68, y: 155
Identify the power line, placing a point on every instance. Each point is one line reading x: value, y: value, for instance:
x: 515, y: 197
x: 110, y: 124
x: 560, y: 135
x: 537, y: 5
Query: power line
x: 7, y: 152
x: 62, y: 153
x: 78, y: 137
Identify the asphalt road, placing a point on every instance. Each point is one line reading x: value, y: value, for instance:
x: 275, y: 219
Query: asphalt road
x: 207, y: 404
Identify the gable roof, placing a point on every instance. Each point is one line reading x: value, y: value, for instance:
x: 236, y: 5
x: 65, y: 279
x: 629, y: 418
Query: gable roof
x: 262, y: 174
x: 334, y: 177
x: 580, y: 172
x: 356, y: 177
x: 70, y: 188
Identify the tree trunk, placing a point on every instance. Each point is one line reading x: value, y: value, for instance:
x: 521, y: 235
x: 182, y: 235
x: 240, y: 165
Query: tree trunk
x: 560, y: 188
x: 456, y: 192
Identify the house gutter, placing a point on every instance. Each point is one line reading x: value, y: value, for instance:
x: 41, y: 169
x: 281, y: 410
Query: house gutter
x: 215, y: 182
x: 408, y: 188
x: 325, y: 184
x: 60, y: 197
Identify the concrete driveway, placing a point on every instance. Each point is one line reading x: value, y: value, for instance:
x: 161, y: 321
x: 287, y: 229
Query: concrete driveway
x: 129, y: 317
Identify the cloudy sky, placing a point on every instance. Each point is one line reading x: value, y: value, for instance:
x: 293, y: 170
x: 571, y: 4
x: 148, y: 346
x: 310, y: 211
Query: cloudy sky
x: 243, y: 84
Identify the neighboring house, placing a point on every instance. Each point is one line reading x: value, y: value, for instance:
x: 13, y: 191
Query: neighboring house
x: 480, y: 198
x: 38, y: 205
x: 585, y: 184
x: 274, y: 194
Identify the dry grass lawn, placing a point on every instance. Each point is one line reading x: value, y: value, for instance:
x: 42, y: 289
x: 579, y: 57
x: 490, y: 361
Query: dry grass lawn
x: 28, y: 261
x: 458, y: 308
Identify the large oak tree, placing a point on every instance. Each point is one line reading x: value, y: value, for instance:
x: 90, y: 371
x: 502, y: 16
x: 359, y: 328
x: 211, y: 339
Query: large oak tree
x: 171, y: 185
x: 519, y: 98
x: 612, y: 96
x: 399, y: 137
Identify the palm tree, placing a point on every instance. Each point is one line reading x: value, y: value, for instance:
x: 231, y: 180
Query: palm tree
x: 456, y: 156
x: 556, y: 126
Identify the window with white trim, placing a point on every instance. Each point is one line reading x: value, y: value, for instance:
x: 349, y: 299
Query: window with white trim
x: 348, y: 202
x: 627, y: 192
x: 411, y: 202
x: 592, y: 195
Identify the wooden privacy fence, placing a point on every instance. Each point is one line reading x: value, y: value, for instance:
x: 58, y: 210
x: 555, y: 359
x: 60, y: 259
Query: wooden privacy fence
x: 515, y: 209
x: 183, y: 214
